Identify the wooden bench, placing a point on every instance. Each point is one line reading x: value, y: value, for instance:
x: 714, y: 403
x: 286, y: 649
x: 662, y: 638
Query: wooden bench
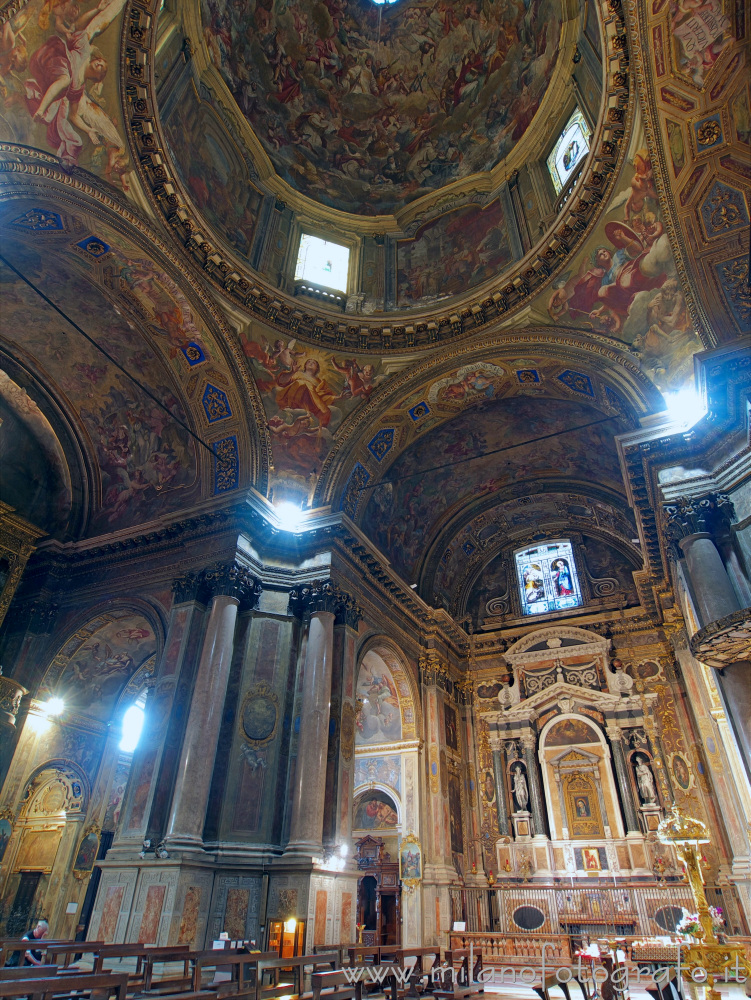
x: 28, y: 972
x: 244, y: 963
x: 9, y: 946
x: 103, y: 984
x: 459, y: 981
x: 148, y: 956
x: 335, y: 986
x: 292, y: 985
x: 68, y: 950
x: 421, y: 978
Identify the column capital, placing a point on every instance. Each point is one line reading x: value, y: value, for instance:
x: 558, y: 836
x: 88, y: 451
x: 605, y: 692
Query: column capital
x: 11, y: 693
x: 227, y: 579
x: 432, y: 670
x: 711, y: 513
x: 309, y: 599
x: 613, y: 732
x: 232, y: 580
x: 528, y: 741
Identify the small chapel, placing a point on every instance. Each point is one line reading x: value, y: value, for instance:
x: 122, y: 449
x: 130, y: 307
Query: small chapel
x: 375, y: 471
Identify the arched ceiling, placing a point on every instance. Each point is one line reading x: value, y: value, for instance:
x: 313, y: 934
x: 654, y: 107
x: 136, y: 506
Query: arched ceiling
x: 526, y: 444
x: 119, y: 402
x: 365, y: 108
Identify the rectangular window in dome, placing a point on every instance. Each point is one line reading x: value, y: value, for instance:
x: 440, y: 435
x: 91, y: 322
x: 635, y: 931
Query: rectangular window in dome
x: 569, y: 151
x: 322, y: 263
x: 547, y: 578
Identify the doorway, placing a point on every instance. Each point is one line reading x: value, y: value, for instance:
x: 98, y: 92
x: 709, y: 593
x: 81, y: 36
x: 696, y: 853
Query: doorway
x: 22, y: 911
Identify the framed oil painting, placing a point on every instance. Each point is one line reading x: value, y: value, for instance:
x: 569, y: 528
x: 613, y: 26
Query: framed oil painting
x: 410, y: 861
x: 681, y: 772
x: 87, y: 852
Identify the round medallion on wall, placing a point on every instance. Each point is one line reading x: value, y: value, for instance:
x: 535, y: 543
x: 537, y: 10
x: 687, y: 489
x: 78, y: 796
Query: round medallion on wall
x: 259, y: 715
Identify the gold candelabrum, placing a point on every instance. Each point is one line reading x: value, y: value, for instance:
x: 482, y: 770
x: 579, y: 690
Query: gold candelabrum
x: 707, y: 960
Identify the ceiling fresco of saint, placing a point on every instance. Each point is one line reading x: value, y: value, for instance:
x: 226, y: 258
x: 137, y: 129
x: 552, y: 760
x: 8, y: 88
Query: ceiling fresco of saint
x: 360, y: 112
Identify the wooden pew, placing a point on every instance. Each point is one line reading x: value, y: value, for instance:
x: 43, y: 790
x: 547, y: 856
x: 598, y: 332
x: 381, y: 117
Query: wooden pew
x: 103, y: 984
x: 421, y: 975
x: 335, y: 986
x: 10, y: 945
x: 242, y: 962
x: 292, y: 985
x: 146, y: 956
x: 364, y: 954
x: 28, y: 972
x: 459, y: 981
x: 69, y: 949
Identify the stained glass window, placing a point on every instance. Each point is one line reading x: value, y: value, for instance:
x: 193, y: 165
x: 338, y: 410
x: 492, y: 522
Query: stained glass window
x: 569, y: 151
x: 547, y: 578
x: 322, y: 262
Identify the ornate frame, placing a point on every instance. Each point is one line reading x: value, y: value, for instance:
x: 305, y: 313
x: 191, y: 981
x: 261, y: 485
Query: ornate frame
x: 411, y: 882
x: 81, y: 873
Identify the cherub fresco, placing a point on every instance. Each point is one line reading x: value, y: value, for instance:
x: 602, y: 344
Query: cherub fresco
x: 101, y: 667
x: 367, y: 109
x: 53, y: 83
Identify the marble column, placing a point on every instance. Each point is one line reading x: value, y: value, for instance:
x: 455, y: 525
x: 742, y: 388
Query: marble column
x: 695, y: 524
x: 535, y: 791
x: 615, y: 736
x: 712, y: 589
x: 347, y: 621
x: 500, y: 793
x: 230, y: 584
x: 318, y: 603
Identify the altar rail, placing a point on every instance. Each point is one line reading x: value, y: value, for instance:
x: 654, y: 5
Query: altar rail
x: 625, y: 910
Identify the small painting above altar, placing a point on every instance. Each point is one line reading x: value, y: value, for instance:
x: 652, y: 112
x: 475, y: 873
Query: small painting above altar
x: 583, y: 809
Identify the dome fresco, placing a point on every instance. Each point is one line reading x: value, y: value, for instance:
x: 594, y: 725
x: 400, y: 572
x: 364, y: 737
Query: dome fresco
x: 366, y: 109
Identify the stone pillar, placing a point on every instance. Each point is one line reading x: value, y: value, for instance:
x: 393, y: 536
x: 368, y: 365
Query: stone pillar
x: 529, y: 742
x: 434, y: 678
x: 500, y: 792
x: 621, y: 771
x: 230, y: 584
x: 710, y: 583
x: 343, y: 762
x: 695, y: 525
x: 318, y: 603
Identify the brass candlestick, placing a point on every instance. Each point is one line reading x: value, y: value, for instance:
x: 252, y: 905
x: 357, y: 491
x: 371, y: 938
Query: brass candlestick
x: 715, y: 959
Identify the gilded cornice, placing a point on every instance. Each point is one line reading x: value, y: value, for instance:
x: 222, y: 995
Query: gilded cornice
x: 394, y: 331
x: 33, y: 173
